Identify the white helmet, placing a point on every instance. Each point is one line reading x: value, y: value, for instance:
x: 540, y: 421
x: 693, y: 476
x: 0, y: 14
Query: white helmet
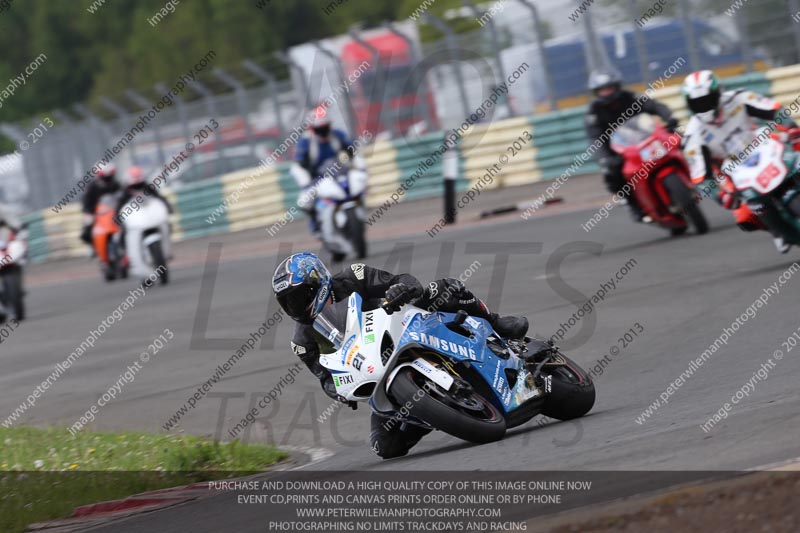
x: 702, y: 93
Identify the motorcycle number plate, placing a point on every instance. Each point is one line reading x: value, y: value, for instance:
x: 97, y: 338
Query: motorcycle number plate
x: 767, y: 175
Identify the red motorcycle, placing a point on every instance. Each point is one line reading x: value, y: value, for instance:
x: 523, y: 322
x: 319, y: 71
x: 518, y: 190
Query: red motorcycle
x: 658, y: 175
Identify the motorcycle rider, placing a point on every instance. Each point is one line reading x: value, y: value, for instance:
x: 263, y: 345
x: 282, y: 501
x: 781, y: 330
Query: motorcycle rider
x: 105, y: 182
x: 611, y: 103
x: 133, y: 194
x: 11, y: 228
x: 137, y: 188
x: 724, y: 123
x: 320, y: 144
x: 305, y: 289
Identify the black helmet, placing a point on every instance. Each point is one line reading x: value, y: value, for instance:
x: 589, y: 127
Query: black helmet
x: 605, y: 78
x: 302, y: 285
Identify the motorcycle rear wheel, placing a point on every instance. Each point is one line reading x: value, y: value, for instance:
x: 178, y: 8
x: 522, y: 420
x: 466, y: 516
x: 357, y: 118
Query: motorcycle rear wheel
x: 684, y: 198
x: 410, y: 389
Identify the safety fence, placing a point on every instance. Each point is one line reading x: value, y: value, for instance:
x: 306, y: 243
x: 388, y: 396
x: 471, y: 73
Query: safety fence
x: 265, y: 199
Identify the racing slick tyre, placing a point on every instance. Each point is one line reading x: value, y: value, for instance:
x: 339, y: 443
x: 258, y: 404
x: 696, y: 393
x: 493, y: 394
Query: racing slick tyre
x: 571, y: 390
x: 684, y: 198
x: 13, y: 293
x: 678, y: 231
x: 794, y: 206
x: 467, y: 416
x: 119, y: 263
x: 159, y: 262
x: 355, y: 231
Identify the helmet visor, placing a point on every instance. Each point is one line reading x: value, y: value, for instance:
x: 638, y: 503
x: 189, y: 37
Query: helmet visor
x: 704, y: 104
x: 323, y: 130
x: 298, y: 302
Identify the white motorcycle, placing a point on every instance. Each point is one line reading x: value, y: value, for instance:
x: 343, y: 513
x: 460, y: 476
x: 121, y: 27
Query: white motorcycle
x: 147, y: 237
x: 340, y: 209
x: 769, y: 181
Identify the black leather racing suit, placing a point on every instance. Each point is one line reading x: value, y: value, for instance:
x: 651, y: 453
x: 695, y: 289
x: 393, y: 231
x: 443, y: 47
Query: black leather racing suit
x: 138, y: 191
x: 371, y: 284
x: 599, y: 118
x: 96, y: 190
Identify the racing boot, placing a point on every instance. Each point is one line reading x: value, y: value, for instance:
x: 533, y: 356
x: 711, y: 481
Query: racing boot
x: 636, y: 211
x: 781, y: 245
x: 509, y: 327
x: 391, y: 438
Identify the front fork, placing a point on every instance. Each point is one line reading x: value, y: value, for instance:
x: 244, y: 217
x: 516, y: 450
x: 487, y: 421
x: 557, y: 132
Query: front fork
x: 776, y: 216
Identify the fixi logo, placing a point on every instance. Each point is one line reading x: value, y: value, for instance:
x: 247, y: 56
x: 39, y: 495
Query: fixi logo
x: 342, y: 380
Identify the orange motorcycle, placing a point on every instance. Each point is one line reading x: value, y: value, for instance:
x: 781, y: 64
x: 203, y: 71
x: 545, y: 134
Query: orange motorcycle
x: 107, y: 241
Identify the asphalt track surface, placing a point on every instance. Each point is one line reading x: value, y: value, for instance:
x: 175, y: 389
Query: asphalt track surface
x: 682, y: 291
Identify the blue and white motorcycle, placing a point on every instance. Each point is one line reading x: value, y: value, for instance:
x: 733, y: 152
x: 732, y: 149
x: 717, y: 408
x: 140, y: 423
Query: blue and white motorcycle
x: 340, y: 207
x: 450, y: 372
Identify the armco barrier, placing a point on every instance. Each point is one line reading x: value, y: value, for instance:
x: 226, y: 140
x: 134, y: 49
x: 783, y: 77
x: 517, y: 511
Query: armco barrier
x: 194, y: 204
x: 482, y: 147
x: 558, y: 137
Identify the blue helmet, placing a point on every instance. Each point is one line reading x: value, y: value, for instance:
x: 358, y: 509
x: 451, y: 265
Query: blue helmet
x: 302, y: 285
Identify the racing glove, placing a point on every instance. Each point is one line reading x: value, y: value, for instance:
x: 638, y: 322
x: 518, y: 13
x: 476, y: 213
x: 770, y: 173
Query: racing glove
x: 729, y: 200
x: 86, y: 234
x: 611, y: 163
x: 400, y: 294
x: 672, y: 125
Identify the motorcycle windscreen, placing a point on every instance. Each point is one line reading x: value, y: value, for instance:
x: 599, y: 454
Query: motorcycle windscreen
x: 634, y: 131
x: 763, y: 170
x: 329, y: 326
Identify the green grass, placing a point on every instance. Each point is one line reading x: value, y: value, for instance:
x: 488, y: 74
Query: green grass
x: 45, y: 473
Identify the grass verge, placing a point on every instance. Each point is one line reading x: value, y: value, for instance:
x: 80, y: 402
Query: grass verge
x: 45, y: 473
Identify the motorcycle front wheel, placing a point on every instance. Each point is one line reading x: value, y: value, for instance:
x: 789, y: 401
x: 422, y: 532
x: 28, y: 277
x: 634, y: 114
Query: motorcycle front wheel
x: 14, y: 294
x: 683, y: 197
x: 159, y: 262
x: 572, y: 392
x: 467, y: 416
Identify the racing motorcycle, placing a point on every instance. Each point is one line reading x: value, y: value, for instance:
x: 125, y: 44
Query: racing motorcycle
x: 340, y: 207
x: 13, y: 255
x: 658, y: 174
x: 768, y: 180
x: 147, y: 236
x: 449, y: 371
x: 107, y: 240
